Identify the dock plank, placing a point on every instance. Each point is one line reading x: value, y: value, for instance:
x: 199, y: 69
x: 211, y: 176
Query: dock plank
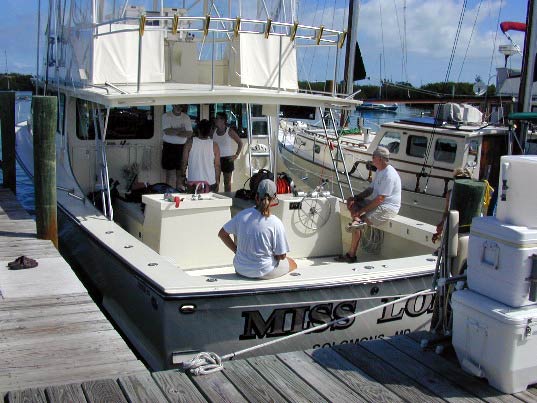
x: 386, y: 375
x: 71, y: 393
x: 177, y: 387
x: 103, y: 391
x: 352, y: 376
x: 281, y: 377
x: 251, y: 384
x: 451, y: 371
x: 319, y: 378
x: 420, y: 373
x: 141, y: 388
x: 217, y: 388
x: 33, y: 395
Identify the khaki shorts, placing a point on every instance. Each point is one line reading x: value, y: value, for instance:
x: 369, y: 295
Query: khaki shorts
x: 381, y: 215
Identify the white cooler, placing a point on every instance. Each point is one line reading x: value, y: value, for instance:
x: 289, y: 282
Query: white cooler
x: 495, y: 341
x: 517, y: 193
x: 499, y: 260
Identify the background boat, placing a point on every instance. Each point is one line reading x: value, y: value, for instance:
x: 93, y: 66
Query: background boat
x: 371, y: 106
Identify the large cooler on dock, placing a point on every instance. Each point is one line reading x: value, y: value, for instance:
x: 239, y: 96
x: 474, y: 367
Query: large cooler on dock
x: 495, y: 341
x: 517, y: 194
x: 500, y: 260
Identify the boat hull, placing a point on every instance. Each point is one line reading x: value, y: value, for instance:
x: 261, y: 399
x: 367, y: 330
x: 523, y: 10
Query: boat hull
x: 166, y: 329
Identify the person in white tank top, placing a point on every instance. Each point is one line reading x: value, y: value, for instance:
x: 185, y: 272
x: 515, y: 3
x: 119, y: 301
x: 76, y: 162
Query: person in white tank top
x: 202, y: 157
x: 230, y: 146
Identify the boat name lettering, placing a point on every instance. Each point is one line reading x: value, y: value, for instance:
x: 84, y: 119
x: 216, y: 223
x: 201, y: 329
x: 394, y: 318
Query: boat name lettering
x: 413, y: 307
x: 289, y: 320
x: 358, y: 340
x: 301, y: 318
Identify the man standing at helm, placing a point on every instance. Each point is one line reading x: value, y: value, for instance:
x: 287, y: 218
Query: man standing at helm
x: 177, y: 129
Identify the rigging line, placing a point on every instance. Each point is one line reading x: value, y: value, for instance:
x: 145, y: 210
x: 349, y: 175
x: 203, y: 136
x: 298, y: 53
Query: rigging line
x: 405, y: 54
x: 329, y: 58
x: 470, y: 41
x: 399, y: 30
x: 456, y: 40
x: 494, y: 46
x: 382, y: 38
x: 315, y: 48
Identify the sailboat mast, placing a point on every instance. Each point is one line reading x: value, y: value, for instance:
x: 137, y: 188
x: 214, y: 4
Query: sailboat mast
x: 350, y: 53
x: 528, y: 68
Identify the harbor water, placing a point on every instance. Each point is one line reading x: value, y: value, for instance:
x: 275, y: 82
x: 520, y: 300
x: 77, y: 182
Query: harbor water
x: 25, y: 185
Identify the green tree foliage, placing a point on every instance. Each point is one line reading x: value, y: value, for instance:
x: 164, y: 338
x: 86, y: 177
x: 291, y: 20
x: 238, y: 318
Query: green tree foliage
x: 16, y: 82
x: 405, y: 91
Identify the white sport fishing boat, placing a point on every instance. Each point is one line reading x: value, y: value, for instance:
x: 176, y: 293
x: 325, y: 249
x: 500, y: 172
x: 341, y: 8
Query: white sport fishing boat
x: 424, y: 150
x: 163, y: 274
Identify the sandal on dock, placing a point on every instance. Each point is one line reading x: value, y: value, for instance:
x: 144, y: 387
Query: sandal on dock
x: 22, y: 262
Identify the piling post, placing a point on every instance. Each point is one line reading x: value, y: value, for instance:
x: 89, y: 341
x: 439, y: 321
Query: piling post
x: 44, y: 112
x: 7, y: 118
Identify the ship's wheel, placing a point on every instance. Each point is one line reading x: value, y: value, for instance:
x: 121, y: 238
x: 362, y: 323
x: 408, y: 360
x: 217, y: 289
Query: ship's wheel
x: 313, y: 213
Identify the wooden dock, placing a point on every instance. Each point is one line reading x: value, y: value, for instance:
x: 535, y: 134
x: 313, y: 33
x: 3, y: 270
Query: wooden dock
x: 51, y: 332
x: 389, y: 370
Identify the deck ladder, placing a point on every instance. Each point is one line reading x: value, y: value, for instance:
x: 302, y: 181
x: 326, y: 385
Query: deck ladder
x: 336, y: 153
x: 259, y: 141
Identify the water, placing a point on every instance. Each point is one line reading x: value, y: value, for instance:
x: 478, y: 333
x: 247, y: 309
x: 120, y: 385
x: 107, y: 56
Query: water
x: 25, y: 185
x: 373, y: 119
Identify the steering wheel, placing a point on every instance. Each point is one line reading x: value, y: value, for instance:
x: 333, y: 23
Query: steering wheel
x: 313, y: 213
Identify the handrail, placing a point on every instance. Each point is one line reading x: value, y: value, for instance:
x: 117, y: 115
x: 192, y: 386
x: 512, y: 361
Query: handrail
x: 214, y: 22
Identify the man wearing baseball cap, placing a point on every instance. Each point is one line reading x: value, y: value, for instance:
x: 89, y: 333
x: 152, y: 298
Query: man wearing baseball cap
x: 376, y: 205
x: 260, y: 243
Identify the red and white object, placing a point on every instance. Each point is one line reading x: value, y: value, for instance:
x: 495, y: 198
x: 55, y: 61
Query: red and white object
x: 495, y: 341
x: 500, y: 260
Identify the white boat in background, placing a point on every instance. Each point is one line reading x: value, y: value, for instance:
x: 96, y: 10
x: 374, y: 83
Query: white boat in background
x: 162, y: 273
x: 424, y: 150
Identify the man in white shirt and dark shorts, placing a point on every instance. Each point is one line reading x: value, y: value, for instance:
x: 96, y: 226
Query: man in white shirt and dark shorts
x: 376, y: 205
x: 177, y: 129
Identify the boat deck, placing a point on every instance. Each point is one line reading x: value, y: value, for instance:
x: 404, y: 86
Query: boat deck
x: 51, y: 332
x: 394, y: 370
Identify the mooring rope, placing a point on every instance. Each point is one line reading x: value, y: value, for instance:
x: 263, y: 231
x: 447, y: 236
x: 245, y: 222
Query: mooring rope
x: 206, y: 363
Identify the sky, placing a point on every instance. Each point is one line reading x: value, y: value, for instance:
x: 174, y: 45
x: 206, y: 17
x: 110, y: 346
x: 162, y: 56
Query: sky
x: 422, y: 34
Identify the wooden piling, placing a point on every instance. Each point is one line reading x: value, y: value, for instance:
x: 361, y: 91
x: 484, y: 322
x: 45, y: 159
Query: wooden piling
x: 44, y: 112
x: 7, y: 118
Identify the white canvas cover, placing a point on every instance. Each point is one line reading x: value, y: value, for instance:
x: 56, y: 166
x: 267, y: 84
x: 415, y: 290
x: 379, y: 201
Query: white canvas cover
x: 115, y: 56
x: 259, y: 61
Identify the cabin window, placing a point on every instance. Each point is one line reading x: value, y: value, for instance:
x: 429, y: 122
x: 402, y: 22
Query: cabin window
x: 124, y: 123
x: 193, y: 113
x: 236, y: 116
x: 445, y: 150
x: 416, y: 146
x: 391, y: 140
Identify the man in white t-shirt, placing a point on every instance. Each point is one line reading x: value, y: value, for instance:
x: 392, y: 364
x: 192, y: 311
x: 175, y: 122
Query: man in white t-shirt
x: 177, y: 129
x: 376, y: 205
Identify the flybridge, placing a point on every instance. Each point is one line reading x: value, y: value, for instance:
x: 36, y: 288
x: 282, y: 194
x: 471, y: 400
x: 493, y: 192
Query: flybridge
x: 95, y: 42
